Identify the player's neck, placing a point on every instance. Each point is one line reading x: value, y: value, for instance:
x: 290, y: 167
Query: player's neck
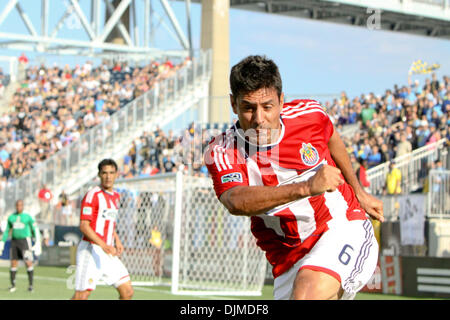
x: 108, y: 190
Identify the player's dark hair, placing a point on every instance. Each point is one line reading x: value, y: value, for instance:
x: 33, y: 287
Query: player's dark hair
x: 107, y: 162
x: 254, y: 73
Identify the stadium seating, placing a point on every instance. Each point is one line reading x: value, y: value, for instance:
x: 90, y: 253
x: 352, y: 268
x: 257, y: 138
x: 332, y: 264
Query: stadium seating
x: 46, y: 114
x: 56, y: 140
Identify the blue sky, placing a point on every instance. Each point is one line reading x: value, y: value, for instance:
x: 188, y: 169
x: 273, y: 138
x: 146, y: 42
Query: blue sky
x: 314, y: 57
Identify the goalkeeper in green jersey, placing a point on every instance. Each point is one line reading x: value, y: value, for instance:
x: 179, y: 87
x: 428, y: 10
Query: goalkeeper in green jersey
x: 23, y: 227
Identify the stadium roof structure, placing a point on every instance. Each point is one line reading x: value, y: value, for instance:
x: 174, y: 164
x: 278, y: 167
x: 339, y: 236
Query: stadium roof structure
x: 421, y: 17
x: 37, y: 27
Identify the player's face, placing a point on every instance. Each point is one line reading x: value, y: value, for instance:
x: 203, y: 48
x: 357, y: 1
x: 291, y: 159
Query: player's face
x: 107, y: 175
x: 259, y: 115
x: 19, y: 206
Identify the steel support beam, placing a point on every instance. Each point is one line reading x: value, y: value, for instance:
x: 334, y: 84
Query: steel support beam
x: 175, y: 24
x: 44, y: 36
x: 113, y: 20
x: 123, y: 31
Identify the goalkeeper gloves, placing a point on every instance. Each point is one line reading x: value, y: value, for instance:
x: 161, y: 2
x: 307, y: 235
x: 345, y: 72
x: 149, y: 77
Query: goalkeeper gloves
x: 37, y: 249
x: 2, y: 246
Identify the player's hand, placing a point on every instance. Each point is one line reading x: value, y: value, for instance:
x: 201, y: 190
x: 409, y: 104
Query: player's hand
x: 372, y: 205
x: 119, y: 248
x: 2, y: 246
x: 110, y: 250
x: 37, y: 249
x: 327, y: 179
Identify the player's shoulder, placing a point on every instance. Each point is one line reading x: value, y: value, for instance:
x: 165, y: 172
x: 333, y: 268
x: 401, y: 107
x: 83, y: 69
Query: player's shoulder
x: 91, y: 194
x: 222, y: 141
x: 27, y: 215
x: 302, y: 108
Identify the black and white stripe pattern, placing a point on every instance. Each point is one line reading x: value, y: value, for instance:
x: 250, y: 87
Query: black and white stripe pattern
x: 349, y: 283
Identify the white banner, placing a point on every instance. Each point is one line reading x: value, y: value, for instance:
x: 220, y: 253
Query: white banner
x: 412, y: 219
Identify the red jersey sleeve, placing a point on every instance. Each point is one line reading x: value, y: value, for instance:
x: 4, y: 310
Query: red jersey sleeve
x: 328, y: 127
x: 226, y: 167
x: 89, y: 206
x: 311, y: 112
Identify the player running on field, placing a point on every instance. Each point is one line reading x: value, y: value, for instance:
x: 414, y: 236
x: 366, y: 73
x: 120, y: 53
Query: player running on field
x: 99, y: 250
x: 285, y: 166
x: 23, y: 228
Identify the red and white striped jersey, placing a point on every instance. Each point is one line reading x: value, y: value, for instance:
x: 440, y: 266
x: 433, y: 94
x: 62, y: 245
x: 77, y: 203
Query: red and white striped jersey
x: 286, y: 233
x: 100, y: 207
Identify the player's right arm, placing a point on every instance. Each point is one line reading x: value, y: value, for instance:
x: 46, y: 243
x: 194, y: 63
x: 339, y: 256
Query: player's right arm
x: 89, y: 233
x: 6, y: 233
x: 231, y: 184
x: 5, y: 236
x: 89, y: 210
x: 255, y: 200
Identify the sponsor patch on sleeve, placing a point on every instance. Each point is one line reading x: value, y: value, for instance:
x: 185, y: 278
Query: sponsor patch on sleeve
x: 87, y: 211
x: 232, y: 177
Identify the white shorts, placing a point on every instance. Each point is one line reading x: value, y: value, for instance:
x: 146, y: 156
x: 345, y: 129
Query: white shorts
x: 93, y: 265
x: 348, y: 252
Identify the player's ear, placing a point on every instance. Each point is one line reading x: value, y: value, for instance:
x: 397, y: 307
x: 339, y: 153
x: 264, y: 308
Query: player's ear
x: 282, y: 99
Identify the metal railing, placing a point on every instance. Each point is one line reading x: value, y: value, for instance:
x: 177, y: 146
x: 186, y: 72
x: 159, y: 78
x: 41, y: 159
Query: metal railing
x: 68, y: 163
x: 413, y: 166
x: 439, y: 194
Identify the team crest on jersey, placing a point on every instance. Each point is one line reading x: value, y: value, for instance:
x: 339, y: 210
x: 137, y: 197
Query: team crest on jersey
x: 232, y: 177
x: 309, y: 154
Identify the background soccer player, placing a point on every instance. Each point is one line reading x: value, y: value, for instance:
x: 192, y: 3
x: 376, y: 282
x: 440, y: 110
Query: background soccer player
x: 99, y: 250
x: 285, y: 166
x: 23, y: 228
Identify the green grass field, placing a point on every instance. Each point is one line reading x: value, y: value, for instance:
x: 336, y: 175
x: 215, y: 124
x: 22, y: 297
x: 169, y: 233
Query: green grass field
x: 51, y: 283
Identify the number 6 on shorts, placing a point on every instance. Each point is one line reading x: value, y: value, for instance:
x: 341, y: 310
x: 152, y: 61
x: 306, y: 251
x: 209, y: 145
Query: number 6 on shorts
x: 344, y: 257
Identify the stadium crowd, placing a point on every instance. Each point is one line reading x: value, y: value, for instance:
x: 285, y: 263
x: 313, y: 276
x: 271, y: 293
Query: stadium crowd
x: 388, y: 126
x: 54, y: 106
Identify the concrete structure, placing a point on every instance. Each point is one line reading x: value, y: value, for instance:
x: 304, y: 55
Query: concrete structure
x: 215, y: 36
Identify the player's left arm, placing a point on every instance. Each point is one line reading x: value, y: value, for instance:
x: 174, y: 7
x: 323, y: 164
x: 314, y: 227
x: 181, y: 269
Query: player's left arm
x: 338, y: 151
x: 36, y: 234
x: 118, y: 243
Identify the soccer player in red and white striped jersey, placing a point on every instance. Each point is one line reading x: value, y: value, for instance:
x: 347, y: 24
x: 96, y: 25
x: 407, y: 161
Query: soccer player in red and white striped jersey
x: 99, y: 250
x: 285, y: 166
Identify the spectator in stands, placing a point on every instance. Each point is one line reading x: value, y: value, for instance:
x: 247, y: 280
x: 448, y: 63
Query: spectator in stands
x: 362, y: 175
x: 367, y: 113
x: 23, y: 59
x: 374, y: 157
x: 404, y: 146
x: 65, y: 207
x: 434, y: 83
x: 422, y: 133
x: 436, y: 186
x: 393, y: 180
x: 387, y: 154
x: 435, y: 135
x: 45, y: 197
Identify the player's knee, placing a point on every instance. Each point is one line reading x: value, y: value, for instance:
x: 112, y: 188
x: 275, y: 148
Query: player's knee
x: 311, y: 285
x: 315, y: 294
x: 81, y: 295
x: 126, y: 293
